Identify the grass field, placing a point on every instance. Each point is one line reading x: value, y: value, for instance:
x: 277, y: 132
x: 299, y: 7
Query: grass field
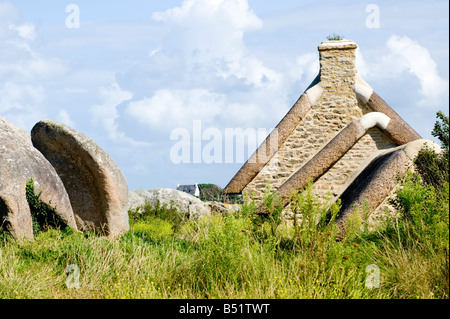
x: 164, y: 255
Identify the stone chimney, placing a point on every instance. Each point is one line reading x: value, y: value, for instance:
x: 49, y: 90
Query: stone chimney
x: 338, y: 104
x: 337, y: 64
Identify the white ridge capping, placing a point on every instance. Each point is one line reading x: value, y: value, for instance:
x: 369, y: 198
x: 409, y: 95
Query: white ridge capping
x: 314, y: 93
x: 362, y: 90
x: 371, y: 119
x: 412, y: 148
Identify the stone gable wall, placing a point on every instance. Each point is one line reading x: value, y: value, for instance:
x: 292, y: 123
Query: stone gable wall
x: 337, y: 107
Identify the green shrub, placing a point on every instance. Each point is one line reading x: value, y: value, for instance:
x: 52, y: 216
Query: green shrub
x: 441, y: 130
x: 424, y: 212
x: 212, y: 192
x: 414, y: 247
x: 165, y: 212
x: 44, y: 217
x: 225, y: 255
x: 272, y: 203
x: 249, y: 206
x: 3, y: 215
x: 432, y: 167
x: 152, y: 228
x: 312, y: 215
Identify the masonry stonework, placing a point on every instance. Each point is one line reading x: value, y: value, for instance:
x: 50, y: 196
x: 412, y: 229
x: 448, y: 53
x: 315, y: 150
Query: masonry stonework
x: 336, y: 107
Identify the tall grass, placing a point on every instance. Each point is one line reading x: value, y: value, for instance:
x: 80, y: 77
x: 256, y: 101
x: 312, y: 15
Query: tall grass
x: 241, y: 255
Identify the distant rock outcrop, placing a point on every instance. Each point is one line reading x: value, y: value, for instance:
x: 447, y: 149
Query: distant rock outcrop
x: 223, y: 208
x: 184, y: 202
x: 97, y: 188
x: 20, y: 162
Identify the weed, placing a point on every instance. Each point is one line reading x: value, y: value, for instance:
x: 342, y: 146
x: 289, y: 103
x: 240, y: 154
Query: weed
x: 44, y: 217
x: 169, y: 213
x: 152, y: 228
x: 335, y: 37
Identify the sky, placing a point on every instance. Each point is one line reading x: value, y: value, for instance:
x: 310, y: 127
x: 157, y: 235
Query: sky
x: 162, y: 86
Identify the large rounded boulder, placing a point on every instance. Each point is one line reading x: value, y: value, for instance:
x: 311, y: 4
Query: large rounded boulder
x: 20, y: 162
x: 184, y: 202
x: 96, y: 186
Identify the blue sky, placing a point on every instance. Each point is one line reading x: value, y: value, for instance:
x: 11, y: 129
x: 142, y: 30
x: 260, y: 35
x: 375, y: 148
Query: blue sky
x: 136, y: 71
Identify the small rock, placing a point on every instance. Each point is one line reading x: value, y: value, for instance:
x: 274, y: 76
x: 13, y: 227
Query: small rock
x: 223, y: 208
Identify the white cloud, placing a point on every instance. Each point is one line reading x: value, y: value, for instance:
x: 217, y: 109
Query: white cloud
x: 23, y: 64
x: 406, y: 57
x: 409, y: 55
x: 8, y: 13
x: 24, y: 72
x: 361, y: 64
x: 153, y: 52
x: 206, y: 72
x: 211, y: 33
x: 106, y: 113
x: 168, y: 109
x: 64, y: 118
x: 14, y: 96
x: 21, y: 104
x: 234, y: 13
x: 19, y: 61
x: 307, y: 66
x: 26, y: 31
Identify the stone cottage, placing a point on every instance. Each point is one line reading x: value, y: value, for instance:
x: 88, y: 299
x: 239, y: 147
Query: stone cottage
x: 339, y: 133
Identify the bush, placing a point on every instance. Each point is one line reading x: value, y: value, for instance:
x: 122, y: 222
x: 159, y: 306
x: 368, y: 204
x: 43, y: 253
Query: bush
x: 212, y: 192
x: 44, y: 217
x: 313, y: 215
x: 424, y: 213
x: 152, y: 228
x: 441, y: 130
x: 423, y: 197
x: 433, y: 167
x: 163, y: 211
x: 221, y: 252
